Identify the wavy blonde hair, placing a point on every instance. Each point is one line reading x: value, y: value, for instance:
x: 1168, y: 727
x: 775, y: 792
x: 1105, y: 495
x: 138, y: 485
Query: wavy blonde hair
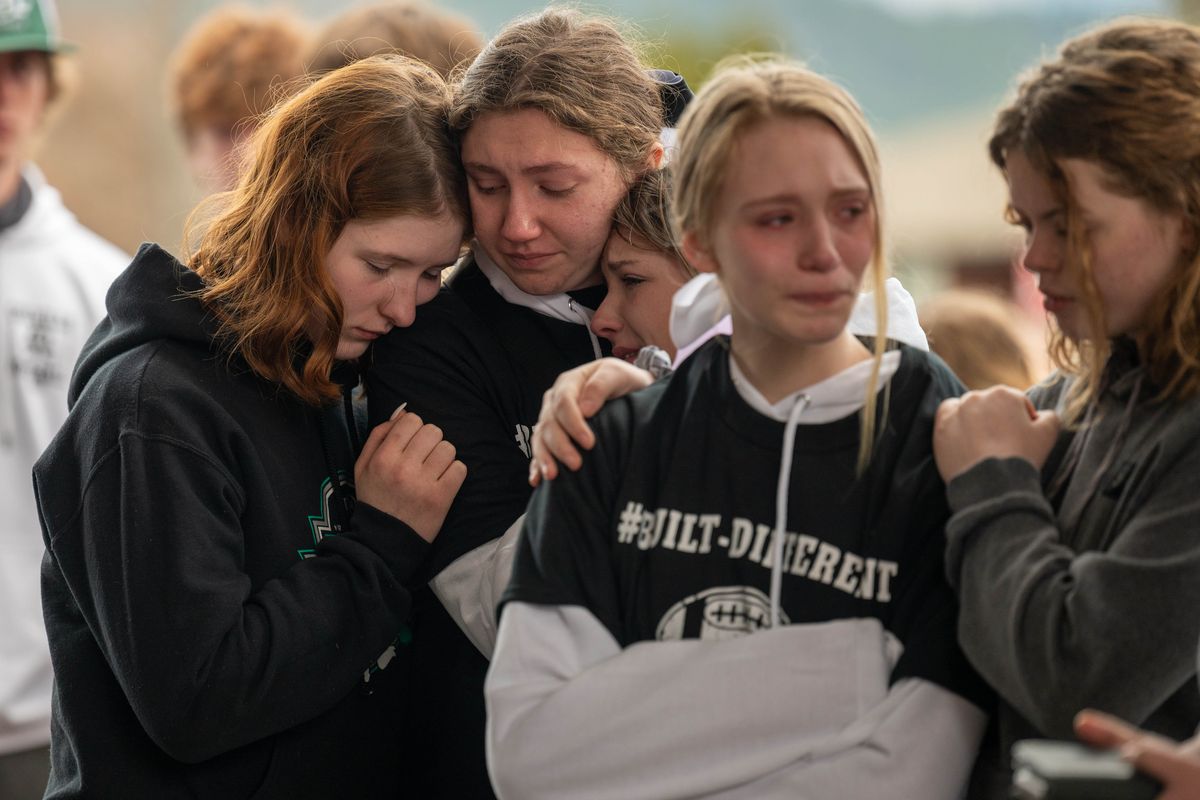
x: 1125, y: 96
x: 365, y: 142
x: 744, y: 93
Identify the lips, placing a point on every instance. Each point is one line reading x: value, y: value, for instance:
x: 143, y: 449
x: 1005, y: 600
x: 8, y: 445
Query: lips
x: 819, y: 298
x: 528, y: 260
x: 1055, y: 303
x: 369, y: 335
x: 627, y: 353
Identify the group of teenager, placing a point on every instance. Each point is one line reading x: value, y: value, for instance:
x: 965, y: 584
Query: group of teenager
x: 291, y: 547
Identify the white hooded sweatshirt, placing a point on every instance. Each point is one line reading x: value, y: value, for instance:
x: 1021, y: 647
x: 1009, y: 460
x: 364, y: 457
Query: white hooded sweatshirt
x: 53, y: 276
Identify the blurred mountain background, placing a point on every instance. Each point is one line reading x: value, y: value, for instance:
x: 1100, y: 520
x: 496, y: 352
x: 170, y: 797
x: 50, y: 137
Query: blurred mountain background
x: 929, y: 73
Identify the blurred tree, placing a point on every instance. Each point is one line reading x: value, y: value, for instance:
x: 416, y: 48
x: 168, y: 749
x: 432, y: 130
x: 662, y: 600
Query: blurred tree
x: 693, y: 53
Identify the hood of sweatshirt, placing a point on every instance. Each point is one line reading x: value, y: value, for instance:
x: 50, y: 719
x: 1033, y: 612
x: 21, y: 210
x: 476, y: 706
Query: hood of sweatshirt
x: 561, y: 306
x: 47, y: 236
x: 149, y: 301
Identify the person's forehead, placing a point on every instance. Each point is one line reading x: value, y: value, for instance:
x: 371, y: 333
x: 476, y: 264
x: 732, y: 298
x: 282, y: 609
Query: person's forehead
x: 528, y: 140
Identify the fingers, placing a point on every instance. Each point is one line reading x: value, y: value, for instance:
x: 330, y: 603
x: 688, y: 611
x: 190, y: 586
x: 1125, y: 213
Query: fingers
x: 1159, y: 758
x: 452, y: 479
x: 1103, y: 730
x: 377, y: 435
x: 421, y: 442
x: 611, y: 378
x: 389, y: 441
x: 567, y: 413
x: 535, y: 474
x: 440, y: 458
x: 1191, y: 747
x: 947, y: 409
x: 1047, y: 420
x: 543, y: 465
x: 560, y: 445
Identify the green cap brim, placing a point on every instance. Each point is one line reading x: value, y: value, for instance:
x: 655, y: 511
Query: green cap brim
x: 11, y: 44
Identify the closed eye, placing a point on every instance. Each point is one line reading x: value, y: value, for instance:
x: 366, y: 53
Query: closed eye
x: 776, y: 220
x: 854, y: 211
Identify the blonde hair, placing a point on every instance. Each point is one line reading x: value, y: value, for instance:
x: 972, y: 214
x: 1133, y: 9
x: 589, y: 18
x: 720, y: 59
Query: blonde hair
x: 976, y: 334
x: 576, y: 69
x: 745, y: 93
x: 1125, y: 96
x: 414, y: 28
x: 644, y: 215
x: 233, y: 65
x: 365, y: 142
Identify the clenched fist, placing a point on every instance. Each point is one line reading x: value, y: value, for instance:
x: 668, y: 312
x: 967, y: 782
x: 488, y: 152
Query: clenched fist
x: 999, y: 422
x: 409, y: 471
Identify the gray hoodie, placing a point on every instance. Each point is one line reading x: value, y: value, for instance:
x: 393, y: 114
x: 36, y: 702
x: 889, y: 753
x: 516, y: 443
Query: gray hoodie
x: 1080, y: 587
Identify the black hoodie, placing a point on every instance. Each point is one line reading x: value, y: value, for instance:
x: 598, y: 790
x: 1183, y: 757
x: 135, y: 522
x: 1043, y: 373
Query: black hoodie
x: 220, y: 625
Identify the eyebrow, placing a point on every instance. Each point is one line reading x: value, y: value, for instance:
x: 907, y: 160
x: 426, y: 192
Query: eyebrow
x: 383, y: 255
x: 617, y: 265
x: 793, y: 198
x: 1045, y: 216
x: 550, y: 166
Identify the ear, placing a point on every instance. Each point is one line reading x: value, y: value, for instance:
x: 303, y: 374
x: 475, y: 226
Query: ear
x: 698, y: 254
x: 655, y: 159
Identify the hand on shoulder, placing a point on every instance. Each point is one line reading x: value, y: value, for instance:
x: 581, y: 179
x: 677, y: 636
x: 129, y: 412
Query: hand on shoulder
x: 999, y: 422
x: 576, y: 395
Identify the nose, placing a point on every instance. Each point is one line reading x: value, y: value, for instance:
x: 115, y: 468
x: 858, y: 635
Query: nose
x: 818, y: 251
x: 399, y: 307
x: 520, y: 223
x: 606, y: 322
x: 1043, y: 251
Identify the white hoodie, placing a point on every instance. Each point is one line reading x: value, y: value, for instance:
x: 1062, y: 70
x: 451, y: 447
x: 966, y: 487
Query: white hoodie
x: 798, y: 710
x: 53, y: 276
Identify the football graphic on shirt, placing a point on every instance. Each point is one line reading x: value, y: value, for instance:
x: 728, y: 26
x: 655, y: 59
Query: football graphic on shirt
x: 722, y: 612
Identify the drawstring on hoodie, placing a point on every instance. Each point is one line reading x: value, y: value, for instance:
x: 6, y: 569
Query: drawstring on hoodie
x: 584, y: 315
x: 781, y: 502
x: 560, y: 306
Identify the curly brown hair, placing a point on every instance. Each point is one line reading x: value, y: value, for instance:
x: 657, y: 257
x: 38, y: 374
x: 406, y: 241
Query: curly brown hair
x: 1125, y: 96
x: 365, y: 142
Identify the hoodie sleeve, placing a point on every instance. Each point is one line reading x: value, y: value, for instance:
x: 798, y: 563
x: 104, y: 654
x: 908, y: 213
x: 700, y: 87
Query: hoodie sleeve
x: 207, y: 662
x: 826, y: 725
x: 1056, y: 630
